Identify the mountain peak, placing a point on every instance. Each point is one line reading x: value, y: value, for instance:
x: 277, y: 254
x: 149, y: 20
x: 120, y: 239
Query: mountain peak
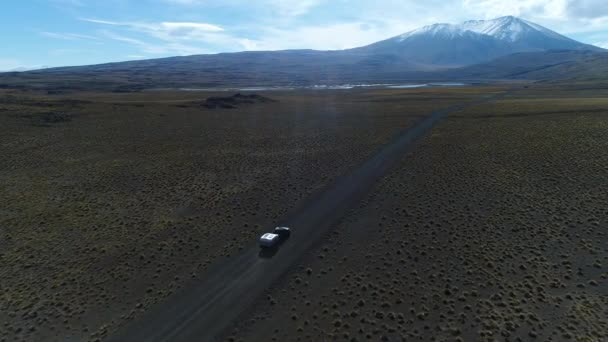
x: 507, y: 28
x: 474, y: 41
x: 443, y: 30
x: 508, y: 18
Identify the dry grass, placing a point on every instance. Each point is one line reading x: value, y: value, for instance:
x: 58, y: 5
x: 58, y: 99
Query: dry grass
x: 492, y: 229
x: 113, y: 210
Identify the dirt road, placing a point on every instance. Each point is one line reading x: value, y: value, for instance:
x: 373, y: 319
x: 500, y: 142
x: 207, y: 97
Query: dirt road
x: 207, y: 306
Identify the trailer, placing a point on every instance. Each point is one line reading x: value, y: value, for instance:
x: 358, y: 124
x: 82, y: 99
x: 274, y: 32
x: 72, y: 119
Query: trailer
x: 282, y: 232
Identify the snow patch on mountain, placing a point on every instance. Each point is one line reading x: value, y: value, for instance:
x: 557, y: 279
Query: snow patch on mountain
x: 436, y: 30
x: 508, y: 28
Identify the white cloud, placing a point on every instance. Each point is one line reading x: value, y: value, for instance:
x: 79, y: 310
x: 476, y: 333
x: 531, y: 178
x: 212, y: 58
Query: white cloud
x: 588, y: 8
x: 173, y: 48
x: 105, y: 22
x: 181, y: 31
x: 564, y: 16
x: 496, y: 8
x: 283, y: 8
x: 182, y: 38
x: 293, y: 8
x: 330, y: 37
x: 67, y: 36
x: 190, y: 26
x: 65, y: 52
x: 77, y: 3
x: 124, y: 39
x: 280, y: 24
x: 165, y: 30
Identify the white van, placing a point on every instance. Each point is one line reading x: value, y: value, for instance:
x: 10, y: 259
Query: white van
x: 269, y: 240
x: 280, y: 234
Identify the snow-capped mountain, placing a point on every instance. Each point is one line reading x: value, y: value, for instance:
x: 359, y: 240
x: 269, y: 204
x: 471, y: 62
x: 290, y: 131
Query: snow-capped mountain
x: 475, y: 41
x: 506, y: 47
x: 509, y: 28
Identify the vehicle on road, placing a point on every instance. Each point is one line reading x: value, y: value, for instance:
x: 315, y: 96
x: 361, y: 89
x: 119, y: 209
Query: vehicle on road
x: 269, y: 240
x: 283, y: 232
x: 274, y: 239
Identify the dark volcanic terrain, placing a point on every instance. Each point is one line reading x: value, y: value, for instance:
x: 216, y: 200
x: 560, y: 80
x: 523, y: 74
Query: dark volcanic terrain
x: 112, y: 202
x: 493, y: 228
x: 231, y: 102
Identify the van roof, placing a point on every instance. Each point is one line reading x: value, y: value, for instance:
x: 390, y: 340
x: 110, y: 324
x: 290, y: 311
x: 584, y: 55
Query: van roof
x: 269, y: 236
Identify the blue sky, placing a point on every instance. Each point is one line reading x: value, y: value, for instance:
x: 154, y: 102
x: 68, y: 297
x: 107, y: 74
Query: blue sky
x: 41, y: 33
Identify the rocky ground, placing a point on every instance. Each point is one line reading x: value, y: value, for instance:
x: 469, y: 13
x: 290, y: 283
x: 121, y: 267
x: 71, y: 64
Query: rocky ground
x: 492, y: 229
x: 110, y: 202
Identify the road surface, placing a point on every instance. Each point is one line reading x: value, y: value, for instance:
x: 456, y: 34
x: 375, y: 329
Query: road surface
x: 204, y: 309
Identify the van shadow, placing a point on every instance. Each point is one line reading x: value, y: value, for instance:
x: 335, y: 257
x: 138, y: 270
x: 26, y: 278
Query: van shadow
x: 268, y: 252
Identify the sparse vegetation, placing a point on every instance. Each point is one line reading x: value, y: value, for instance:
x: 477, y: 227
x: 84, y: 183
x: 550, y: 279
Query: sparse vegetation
x: 231, y: 102
x: 111, y: 212
x: 491, y: 230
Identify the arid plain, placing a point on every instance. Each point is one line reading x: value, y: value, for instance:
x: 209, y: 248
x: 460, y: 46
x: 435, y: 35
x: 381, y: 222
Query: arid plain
x: 111, y: 202
x: 492, y: 229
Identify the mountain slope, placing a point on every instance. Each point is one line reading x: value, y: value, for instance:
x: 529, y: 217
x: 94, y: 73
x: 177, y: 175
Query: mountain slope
x: 591, y: 67
x: 284, y: 68
x: 539, y: 66
x: 521, y: 65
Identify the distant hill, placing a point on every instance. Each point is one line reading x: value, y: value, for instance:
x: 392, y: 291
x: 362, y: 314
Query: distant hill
x: 290, y: 67
x: 431, y: 52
